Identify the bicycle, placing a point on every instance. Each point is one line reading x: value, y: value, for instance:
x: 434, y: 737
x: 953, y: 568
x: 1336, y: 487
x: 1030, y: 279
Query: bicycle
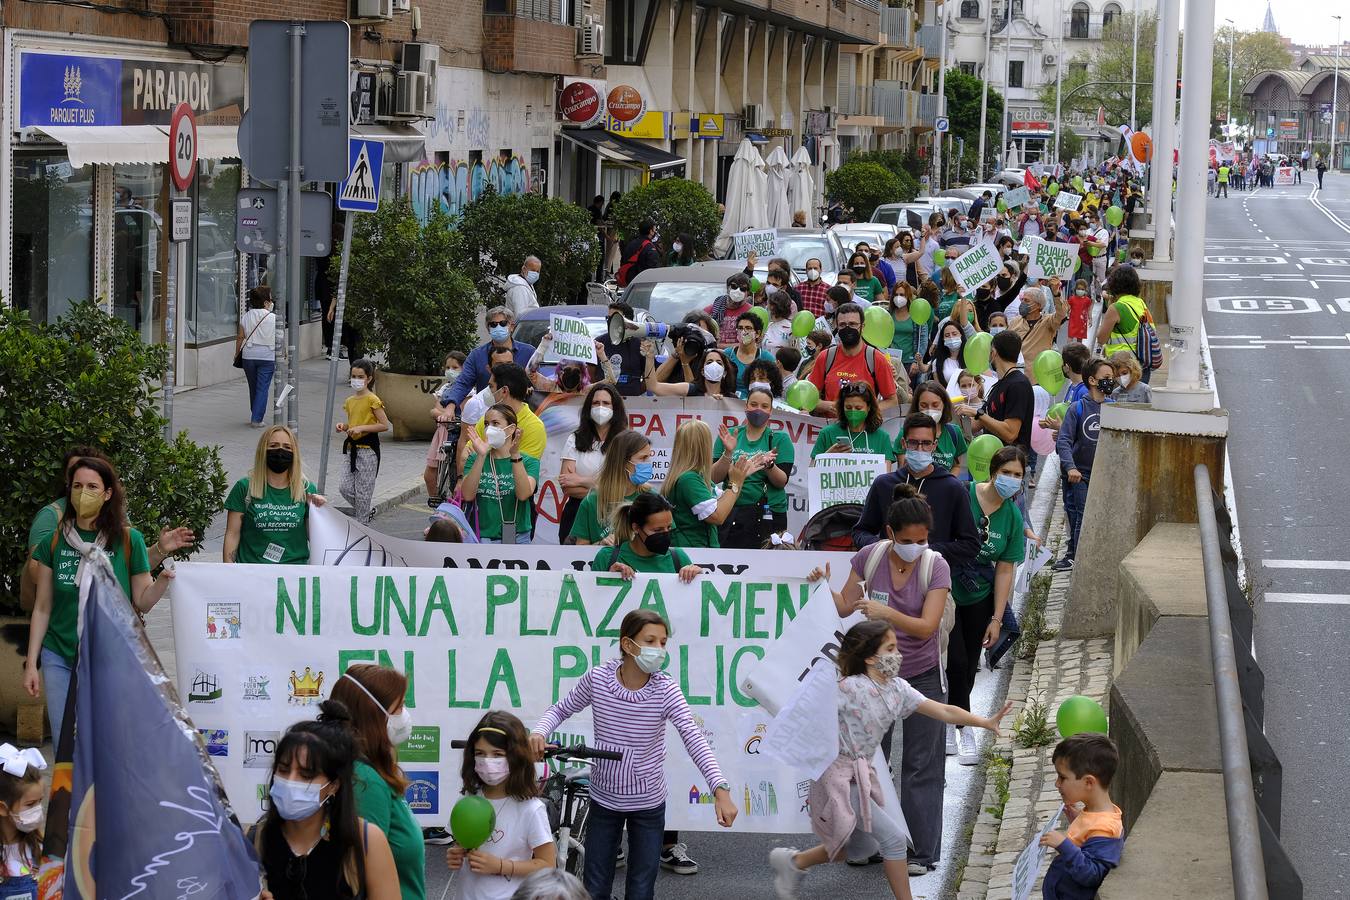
x: 447, y: 475
x: 567, y: 797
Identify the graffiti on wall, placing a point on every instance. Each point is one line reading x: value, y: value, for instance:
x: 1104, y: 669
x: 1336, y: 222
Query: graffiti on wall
x: 455, y: 183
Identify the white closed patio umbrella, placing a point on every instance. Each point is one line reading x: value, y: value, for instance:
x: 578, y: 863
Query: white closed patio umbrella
x: 801, y: 184
x: 746, y: 186
x: 779, y: 207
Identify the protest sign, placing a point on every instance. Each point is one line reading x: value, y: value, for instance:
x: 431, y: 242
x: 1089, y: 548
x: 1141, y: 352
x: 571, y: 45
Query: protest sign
x: 472, y: 641
x: 762, y: 243
x: 1065, y: 200
x: 978, y: 265
x: 835, y: 478
x: 1028, y: 245
x: 1048, y: 259
x: 1284, y: 174
x: 571, y: 338
x: 1028, y: 866
x: 988, y: 214
x: 1017, y: 197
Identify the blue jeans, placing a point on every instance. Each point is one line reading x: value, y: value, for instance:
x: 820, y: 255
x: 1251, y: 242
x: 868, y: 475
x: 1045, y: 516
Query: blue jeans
x: 56, y: 685
x: 603, y: 833
x: 258, y: 372
x: 1075, y: 498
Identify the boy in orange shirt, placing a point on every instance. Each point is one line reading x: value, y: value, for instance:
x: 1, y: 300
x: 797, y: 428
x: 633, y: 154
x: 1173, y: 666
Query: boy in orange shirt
x: 1084, y: 766
x: 1080, y: 307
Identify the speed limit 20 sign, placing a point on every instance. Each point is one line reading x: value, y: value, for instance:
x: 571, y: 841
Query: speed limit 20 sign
x: 182, y: 147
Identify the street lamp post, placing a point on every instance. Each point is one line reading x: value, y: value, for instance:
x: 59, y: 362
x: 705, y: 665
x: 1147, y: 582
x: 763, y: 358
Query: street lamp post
x: 1134, y: 67
x: 1232, y: 39
x: 984, y: 92
x: 1059, y: 80
x: 941, y: 104
x: 1335, y: 87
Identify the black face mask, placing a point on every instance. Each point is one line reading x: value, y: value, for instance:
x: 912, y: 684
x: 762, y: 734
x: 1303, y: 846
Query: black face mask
x: 279, y: 461
x: 569, y: 380
x: 657, y: 542
x: 849, y: 336
x: 858, y: 270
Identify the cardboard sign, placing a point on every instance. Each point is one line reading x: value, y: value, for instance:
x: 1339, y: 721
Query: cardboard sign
x: 764, y: 243
x: 1017, y: 197
x: 572, y: 339
x: 1065, y: 200
x: 835, y: 478
x: 1027, y: 869
x: 1284, y: 175
x: 1048, y: 259
x: 977, y: 266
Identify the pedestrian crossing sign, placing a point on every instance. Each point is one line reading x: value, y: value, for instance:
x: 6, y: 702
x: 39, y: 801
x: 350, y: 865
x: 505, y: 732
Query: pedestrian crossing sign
x: 361, y: 191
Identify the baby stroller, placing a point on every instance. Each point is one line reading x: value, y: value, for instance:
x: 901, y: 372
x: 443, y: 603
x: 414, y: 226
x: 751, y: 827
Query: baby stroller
x: 831, y: 528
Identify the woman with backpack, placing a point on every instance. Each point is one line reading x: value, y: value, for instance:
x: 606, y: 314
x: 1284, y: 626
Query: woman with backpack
x: 1119, y: 329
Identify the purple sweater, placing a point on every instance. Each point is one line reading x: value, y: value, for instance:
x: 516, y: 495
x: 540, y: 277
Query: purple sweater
x: 635, y: 723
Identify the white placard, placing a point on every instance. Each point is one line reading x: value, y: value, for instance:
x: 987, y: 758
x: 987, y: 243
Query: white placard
x: 1017, y: 197
x: 977, y: 266
x: 835, y: 478
x: 1065, y: 200
x: 1284, y: 174
x: 1047, y: 259
x: 805, y: 732
x: 764, y: 243
x: 181, y: 227
x: 1028, y: 866
x: 571, y: 338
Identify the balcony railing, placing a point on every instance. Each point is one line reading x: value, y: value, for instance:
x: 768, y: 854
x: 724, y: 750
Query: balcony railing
x: 855, y: 100
x: 930, y: 39
x: 898, y: 26
x: 1079, y: 29
x: 890, y: 101
x: 927, y: 108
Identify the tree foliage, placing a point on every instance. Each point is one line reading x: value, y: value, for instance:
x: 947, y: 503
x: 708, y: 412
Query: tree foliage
x: 677, y: 206
x: 1253, y: 52
x: 963, y: 94
x: 864, y: 186
x: 89, y: 380
x: 405, y: 291
x: 898, y: 162
x: 498, y: 231
x: 1102, y: 78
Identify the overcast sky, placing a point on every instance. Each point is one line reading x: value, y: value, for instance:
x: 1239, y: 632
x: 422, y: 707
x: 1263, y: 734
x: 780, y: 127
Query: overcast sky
x: 1303, y: 21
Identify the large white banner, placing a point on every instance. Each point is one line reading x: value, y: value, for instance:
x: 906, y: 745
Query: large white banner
x: 259, y: 647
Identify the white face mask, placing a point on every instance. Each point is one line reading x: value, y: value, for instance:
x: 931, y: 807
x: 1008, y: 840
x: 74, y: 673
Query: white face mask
x: 735, y: 295
x: 813, y: 274
x: 934, y: 414
x: 358, y: 383
x: 1124, y: 379
x: 28, y: 820
x: 714, y: 371
x: 400, y: 727
x: 909, y: 552
x: 492, y: 769
x: 677, y: 247
x: 601, y: 415
x: 496, y: 437
x: 770, y: 289
x: 887, y: 665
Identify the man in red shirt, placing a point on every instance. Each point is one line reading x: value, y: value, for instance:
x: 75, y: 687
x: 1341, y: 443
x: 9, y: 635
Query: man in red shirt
x: 849, y: 361
x: 813, y: 289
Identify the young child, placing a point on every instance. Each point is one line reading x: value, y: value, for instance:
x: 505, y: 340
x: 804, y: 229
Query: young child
x: 631, y: 700
x: 872, y: 696
x: 1084, y: 767
x: 972, y: 388
x: 781, y: 541
x: 789, y: 359
x: 366, y: 420
x: 499, y: 765
x: 20, y: 816
x: 1080, y: 308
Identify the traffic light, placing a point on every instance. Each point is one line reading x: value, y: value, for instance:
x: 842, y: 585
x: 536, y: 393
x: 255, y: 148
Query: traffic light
x: 1178, y: 88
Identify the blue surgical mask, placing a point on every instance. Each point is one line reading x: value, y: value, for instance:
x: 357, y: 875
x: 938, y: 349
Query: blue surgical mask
x: 531, y: 277
x: 952, y: 343
x: 918, y: 460
x: 1007, y: 485
x: 642, y: 473
x: 499, y: 332
x: 1023, y: 309
x: 296, y: 800
x: 996, y: 329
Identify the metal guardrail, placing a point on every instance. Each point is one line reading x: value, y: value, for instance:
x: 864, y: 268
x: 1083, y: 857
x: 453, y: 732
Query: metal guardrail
x: 1244, y: 823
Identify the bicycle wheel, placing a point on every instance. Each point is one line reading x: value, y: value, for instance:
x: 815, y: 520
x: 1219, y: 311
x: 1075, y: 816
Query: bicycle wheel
x: 581, y: 814
x: 445, y: 474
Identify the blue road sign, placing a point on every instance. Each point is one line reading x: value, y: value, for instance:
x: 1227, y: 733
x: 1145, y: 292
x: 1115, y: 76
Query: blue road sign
x: 361, y: 191
x: 941, y: 124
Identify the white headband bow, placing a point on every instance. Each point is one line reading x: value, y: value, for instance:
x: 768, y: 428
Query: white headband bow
x: 16, y: 762
x: 779, y: 540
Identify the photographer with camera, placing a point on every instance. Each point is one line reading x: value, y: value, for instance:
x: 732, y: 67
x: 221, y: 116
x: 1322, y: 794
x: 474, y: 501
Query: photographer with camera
x: 704, y: 369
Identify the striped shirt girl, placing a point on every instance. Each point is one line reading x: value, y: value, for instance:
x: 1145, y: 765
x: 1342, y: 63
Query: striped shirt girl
x: 635, y: 723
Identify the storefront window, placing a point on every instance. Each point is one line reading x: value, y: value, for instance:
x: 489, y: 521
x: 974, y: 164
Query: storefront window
x: 139, y: 249
x: 212, y: 313
x: 53, y: 252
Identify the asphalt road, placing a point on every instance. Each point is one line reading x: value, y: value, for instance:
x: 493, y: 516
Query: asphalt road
x: 1277, y: 294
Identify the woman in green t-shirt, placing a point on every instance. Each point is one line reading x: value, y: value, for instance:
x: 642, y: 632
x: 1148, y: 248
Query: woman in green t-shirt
x: 380, y: 722
x: 931, y: 399
x: 95, y: 516
x: 643, y: 531
x: 698, y: 510
x: 865, y: 285
x: 501, y: 479
x: 858, y: 429
x: 625, y: 472
x: 771, y: 458
x: 267, y: 517
x: 981, y: 588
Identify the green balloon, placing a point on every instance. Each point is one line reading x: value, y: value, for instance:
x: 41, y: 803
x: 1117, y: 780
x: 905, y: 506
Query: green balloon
x: 920, y: 310
x: 878, y: 327
x: 1078, y: 183
x: 1053, y: 189
x: 977, y: 352
x: 472, y: 820
x: 978, y: 454
x: 1049, y: 370
x: 939, y: 258
x: 755, y: 285
x: 1115, y: 215
x: 1080, y: 715
x: 803, y: 323
x: 762, y: 314
x: 1057, y: 411
x: 1000, y: 205
x: 803, y: 395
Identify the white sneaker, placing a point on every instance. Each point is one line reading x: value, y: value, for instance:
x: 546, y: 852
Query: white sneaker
x: 786, y: 875
x: 951, y: 740
x: 967, y: 754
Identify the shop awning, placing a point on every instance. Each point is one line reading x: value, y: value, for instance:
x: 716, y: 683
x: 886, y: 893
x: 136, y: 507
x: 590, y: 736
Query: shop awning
x: 93, y: 144
x: 621, y: 150
x: 216, y: 141
x: 402, y: 143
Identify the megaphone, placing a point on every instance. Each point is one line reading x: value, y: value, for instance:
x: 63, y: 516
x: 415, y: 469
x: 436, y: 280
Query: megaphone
x: 621, y: 329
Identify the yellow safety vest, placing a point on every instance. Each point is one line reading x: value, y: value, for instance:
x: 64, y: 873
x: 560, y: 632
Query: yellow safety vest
x: 1125, y: 340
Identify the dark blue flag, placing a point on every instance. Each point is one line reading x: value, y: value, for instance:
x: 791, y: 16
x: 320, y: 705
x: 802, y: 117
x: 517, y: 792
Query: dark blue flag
x: 148, y: 816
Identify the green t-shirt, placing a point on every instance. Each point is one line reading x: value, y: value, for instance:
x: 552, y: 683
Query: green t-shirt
x: 904, y: 339
x: 377, y: 803
x: 587, y: 525
x: 497, y: 490
x: 62, y: 631
x: 1004, y: 542
x: 655, y: 564
x: 757, y: 487
x: 275, y: 527
x: 868, y: 289
x: 945, y: 305
x: 863, y: 441
x: 689, y: 491
x: 951, y: 446
x: 45, y: 523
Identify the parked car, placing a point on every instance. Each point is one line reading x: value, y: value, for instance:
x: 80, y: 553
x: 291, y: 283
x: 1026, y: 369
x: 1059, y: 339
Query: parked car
x: 875, y: 233
x: 945, y: 205
x: 898, y: 214
x: 669, y: 293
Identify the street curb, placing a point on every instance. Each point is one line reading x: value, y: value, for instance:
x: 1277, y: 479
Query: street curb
x: 412, y: 487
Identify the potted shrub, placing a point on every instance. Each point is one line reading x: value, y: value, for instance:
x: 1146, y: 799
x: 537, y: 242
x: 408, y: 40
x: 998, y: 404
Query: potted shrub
x: 405, y: 294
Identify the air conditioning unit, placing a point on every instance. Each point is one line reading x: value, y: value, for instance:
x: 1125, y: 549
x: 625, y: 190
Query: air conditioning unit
x: 410, y: 95
x: 1049, y: 60
x: 591, y: 37
x: 750, y: 116
x: 421, y: 57
x: 372, y: 9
